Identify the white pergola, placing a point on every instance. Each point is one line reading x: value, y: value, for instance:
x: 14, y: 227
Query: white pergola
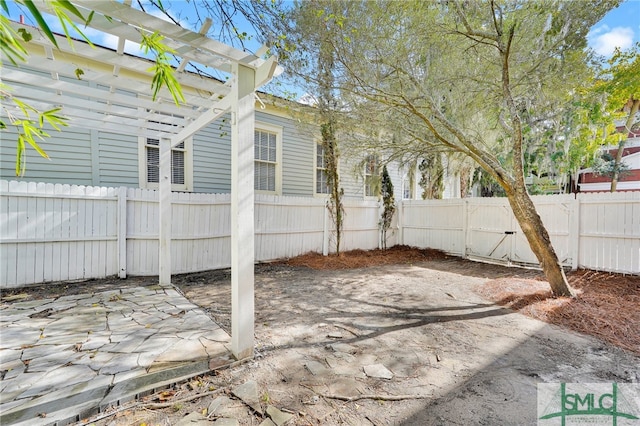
x: 119, y: 99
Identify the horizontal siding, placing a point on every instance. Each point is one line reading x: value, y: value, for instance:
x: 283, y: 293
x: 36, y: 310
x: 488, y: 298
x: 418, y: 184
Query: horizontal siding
x: 212, y: 158
x: 297, y: 154
x: 118, y: 158
x: 69, y: 157
x: 351, y: 179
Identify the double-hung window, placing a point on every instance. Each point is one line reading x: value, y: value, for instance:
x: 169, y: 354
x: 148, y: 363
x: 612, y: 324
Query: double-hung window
x: 181, y: 170
x: 371, y: 176
x: 322, y: 179
x: 406, y: 188
x: 267, y: 156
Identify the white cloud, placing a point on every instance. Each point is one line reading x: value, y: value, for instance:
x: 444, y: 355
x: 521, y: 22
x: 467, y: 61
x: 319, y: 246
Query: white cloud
x: 602, y: 28
x: 604, y: 43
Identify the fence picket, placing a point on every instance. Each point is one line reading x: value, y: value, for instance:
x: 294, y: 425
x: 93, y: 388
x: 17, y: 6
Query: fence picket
x: 59, y: 232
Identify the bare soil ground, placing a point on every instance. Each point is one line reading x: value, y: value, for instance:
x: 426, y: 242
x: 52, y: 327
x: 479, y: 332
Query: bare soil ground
x: 439, y: 324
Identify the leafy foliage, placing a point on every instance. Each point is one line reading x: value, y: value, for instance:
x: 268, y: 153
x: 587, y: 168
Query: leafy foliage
x: 163, y: 74
x: 389, y: 205
x: 621, y: 84
x: 336, y: 193
x: 476, y: 78
x: 431, y: 176
x: 606, y: 165
x: 12, y: 46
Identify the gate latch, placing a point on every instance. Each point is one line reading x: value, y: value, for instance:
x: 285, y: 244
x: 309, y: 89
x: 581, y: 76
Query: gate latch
x: 509, y: 232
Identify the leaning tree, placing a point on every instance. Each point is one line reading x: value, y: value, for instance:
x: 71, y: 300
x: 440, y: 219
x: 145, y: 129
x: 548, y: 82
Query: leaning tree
x: 461, y: 76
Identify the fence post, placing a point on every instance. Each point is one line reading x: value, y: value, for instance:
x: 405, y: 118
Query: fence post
x: 574, y: 232
x: 465, y: 227
x: 400, y: 225
x: 325, y: 230
x: 380, y: 236
x: 121, y: 246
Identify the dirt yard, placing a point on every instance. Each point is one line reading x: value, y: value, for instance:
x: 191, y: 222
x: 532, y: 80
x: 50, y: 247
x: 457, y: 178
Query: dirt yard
x: 408, y: 337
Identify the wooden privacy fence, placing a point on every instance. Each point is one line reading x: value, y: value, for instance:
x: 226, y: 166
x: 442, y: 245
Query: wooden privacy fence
x: 599, y: 231
x: 65, y: 232
x: 55, y: 232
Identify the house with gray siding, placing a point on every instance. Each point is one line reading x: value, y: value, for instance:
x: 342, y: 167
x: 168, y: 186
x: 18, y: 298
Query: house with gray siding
x: 288, y: 157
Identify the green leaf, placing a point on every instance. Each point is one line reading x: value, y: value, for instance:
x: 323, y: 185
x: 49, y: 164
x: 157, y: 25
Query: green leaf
x: 19, y: 156
x: 4, y: 6
x: 71, y: 8
x: 40, y: 20
x: 89, y: 18
x: 35, y: 146
x: 26, y: 35
x: 54, y: 119
x: 79, y: 73
x: 10, y: 44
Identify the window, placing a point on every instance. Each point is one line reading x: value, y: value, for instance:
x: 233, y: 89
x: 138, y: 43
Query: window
x: 267, y: 159
x: 181, y: 177
x: 371, y: 176
x: 406, y: 188
x: 322, y: 179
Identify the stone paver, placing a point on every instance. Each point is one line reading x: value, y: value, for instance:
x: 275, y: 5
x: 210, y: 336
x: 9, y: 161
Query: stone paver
x: 278, y: 417
x: 248, y: 393
x: 378, y: 371
x: 68, y: 357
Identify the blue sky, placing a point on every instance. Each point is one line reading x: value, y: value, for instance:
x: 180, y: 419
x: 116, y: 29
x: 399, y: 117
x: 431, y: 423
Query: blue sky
x: 619, y: 28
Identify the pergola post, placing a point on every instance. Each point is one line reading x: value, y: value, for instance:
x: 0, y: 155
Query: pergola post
x: 164, y: 273
x: 242, y: 211
x: 104, y: 106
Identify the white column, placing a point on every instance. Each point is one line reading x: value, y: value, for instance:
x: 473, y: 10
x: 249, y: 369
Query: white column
x: 400, y: 222
x: 574, y: 232
x: 325, y: 230
x: 164, y: 274
x: 242, y: 205
x: 465, y: 228
x: 122, y: 232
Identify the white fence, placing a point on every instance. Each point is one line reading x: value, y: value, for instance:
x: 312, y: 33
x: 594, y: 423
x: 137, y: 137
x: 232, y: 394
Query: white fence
x: 65, y: 232
x: 598, y: 231
x: 60, y: 232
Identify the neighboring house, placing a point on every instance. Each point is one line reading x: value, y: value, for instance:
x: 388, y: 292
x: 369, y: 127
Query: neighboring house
x: 589, y: 181
x: 289, y: 159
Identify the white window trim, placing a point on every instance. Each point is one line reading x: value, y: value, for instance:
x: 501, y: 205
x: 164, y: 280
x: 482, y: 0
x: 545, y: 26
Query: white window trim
x: 266, y: 127
x: 364, y: 174
x: 315, y: 171
x: 188, y: 166
x: 406, y: 180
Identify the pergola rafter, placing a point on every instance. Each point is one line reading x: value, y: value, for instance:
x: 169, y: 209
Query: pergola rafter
x: 105, y: 89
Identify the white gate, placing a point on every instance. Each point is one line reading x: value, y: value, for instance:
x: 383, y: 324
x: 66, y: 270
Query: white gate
x: 493, y: 233
x: 487, y: 236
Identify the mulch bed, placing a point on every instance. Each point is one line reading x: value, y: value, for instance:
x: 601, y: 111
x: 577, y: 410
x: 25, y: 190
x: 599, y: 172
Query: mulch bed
x: 363, y: 259
x: 607, y: 305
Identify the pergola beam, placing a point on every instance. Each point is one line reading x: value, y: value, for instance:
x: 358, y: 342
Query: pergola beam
x: 205, y: 118
x: 114, y: 94
x: 203, y: 30
x: 152, y: 24
x: 138, y: 66
x: 130, y: 89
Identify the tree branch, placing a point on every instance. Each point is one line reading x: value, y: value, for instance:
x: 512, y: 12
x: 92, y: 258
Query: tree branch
x: 470, y: 31
x: 372, y: 396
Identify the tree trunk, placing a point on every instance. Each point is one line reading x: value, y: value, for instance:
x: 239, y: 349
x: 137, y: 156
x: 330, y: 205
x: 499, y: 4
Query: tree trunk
x: 521, y: 203
x: 627, y: 128
x: 539, y: 241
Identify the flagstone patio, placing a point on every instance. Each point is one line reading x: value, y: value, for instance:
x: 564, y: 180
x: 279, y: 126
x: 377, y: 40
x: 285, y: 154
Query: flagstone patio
x: 66, y: 358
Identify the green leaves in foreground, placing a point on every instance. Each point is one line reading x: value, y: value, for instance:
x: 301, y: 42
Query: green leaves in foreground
x: 31, y: 130
x: 162, y: 70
